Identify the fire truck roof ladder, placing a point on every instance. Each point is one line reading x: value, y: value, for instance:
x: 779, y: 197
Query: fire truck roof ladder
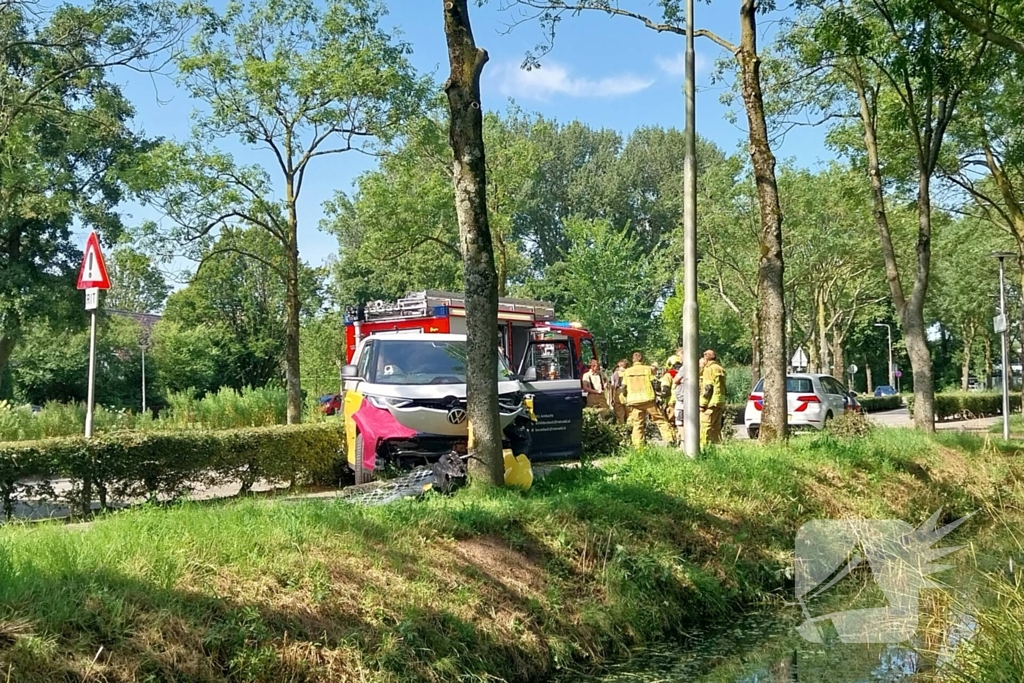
x: 418, y: 304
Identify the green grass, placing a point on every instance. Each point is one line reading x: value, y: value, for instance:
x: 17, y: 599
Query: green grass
x: 1016, y: 425
x: 479, y: 586
x: 225, y: 409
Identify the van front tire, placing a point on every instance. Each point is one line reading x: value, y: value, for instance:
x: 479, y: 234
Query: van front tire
x: 361, y: 475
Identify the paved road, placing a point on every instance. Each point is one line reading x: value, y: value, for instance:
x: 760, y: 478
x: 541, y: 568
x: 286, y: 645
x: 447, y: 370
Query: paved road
x: 901, y: 418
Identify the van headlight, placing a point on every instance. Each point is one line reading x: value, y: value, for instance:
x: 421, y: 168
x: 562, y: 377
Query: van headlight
x: 510, y: 403
x: 386, y: 402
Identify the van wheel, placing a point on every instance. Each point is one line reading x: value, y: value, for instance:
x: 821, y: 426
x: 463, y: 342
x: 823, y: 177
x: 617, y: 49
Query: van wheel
x: 361, y: 475
x: 753, y: 433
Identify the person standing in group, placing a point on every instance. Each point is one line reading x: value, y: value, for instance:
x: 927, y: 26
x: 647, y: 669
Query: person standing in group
x: 594, y: 384
x: 712, y: 399
x: 618, y: 404
x: 679, y: 391
x: 666, y: 397
x: 638, y: 384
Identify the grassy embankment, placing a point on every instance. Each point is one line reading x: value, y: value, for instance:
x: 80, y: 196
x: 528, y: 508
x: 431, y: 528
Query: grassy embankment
x: 480, y: 586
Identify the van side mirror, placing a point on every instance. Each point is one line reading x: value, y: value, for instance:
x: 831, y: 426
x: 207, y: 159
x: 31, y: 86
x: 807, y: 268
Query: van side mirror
x: 349, y: 372
x: 530, y: 375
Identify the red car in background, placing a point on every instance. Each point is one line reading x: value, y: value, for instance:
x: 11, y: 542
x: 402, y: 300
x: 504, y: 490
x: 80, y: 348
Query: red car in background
x: 330, y: 404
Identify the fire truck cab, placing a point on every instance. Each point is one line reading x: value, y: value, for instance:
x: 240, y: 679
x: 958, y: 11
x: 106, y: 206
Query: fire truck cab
x: 434, y: 312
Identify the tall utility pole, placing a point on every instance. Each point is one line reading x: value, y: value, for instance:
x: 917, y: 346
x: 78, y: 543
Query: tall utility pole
x: 691, y: 382
x: 888, y: 329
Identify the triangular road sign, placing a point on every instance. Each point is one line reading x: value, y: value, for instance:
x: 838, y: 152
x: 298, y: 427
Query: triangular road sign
x: 93, y: 272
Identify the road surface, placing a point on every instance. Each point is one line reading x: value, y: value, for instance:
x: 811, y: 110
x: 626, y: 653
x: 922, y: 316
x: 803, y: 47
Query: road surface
x: 901, y: 418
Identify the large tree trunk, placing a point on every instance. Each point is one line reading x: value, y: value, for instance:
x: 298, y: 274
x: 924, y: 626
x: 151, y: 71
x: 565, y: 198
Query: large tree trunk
x: 6, y: 348
x: 910, y: 312
x: 912, y: 317
x: 771, y: 301
x: 755, y: 352
x: 814, y: 353
x: 988, y: 362
x: 292, y: 311
x: 839, y: 360
x: 868, y: 378
x: 965, y: 366
x: 469, y: 175
x: 825, y: 364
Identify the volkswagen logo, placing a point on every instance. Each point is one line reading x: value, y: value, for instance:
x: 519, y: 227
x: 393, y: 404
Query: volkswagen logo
x: 457, y: 416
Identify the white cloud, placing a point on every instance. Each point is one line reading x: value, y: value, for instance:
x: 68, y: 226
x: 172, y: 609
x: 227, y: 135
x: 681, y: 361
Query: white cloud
x: 676, y: 64
x: 555, y: 79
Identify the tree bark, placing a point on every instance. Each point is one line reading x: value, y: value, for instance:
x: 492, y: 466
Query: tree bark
x: 293, y: 305
x: 867, y: 374
x: 819, y: 302
x: 911, y: 313
x: 6, y: 348
x: 988, y: 362
x: 838, y: 360
x: 814, y: 350
x: 965, y: 367
x: 755, y: 352
x: 292, y: 312
x: 469, y: 176
x: 771, y: 301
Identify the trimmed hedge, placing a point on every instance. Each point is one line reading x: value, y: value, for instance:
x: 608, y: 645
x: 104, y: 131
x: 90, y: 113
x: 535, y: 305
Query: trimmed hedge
x: 123, y: 465
x: 875, y: 404
x: 960, y: 405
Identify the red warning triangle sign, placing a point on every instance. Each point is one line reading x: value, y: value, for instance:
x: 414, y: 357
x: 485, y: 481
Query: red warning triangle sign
x: 93, y: 272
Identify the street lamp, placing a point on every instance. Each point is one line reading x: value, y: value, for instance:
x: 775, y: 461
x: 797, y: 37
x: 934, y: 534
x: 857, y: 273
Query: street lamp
x: 888, y: 328
x: 1002, y: 329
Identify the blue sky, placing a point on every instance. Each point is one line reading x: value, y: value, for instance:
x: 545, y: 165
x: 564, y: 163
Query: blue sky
x: 605, y: 71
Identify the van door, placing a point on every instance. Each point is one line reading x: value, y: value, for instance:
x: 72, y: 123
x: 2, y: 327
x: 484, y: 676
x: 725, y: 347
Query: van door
x: 557, y: 399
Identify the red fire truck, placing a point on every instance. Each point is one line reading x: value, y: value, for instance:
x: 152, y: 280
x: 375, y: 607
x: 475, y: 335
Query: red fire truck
x: 519, y: 321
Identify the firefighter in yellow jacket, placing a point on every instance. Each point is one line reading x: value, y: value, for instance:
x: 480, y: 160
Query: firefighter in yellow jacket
x: 638, y: 387
x: 712, y: 399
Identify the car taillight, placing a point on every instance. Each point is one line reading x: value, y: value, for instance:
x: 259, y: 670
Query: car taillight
x: 758, y: 401
x: 804, y: 401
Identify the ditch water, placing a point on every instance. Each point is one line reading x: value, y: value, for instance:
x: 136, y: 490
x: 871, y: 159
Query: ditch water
x: 766, y: 647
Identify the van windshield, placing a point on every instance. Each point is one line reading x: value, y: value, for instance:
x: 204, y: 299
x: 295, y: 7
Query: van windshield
x: 401, y: 361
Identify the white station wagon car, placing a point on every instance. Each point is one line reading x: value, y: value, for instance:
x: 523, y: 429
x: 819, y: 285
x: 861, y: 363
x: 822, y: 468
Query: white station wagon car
x: 813, y: 400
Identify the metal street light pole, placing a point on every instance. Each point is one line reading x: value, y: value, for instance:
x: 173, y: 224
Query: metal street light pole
x: 1004, y: 335
x: 691, y: 383
x: 888, y: 328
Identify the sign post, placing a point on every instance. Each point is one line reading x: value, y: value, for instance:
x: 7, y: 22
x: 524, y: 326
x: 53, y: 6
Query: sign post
x: 92, y: 277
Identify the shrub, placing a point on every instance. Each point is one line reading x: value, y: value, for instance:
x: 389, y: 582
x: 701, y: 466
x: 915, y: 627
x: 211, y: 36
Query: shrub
x: 849, y: 426
x: 960, y: 405
x: 601, y: 436
x: 147, y: 464
x: 738, y: 384
x: 874, y: 404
